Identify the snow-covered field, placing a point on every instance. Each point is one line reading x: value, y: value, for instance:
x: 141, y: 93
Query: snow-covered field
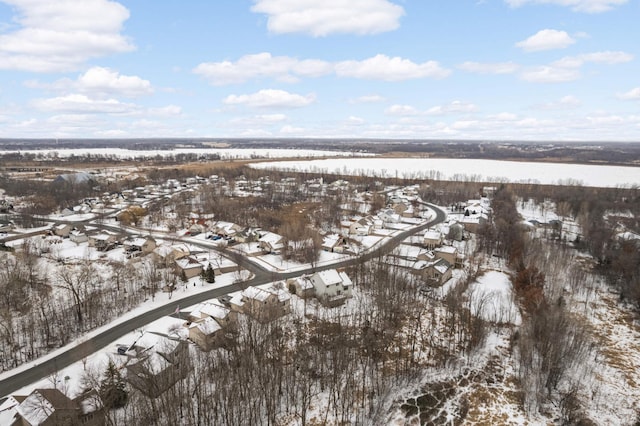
x: 470, y: 170
x: 492, y: 298
x: 231, y: 153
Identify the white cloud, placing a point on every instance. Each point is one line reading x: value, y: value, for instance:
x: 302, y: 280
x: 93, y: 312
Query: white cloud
x: 321, y: 18
x: 382, y: 67
x: 401, y: 110
x: 258, y: 120
x: 605, y: 57
x: 503, y: 116
x: 564, y: 103
x: 291, y: 130
x: 367, y: 99
x: 61, y: 35
x: 100, y: 81
x: 489, y: 68
x: 455, y: 107
x: 587, y: 6
x: 568, y: 68
x: 546, y: 40
x: 549, y: 74
x: 166, y: 111
x: 631, y: 95
x: 271, y: 98
x: 288, y: 69
x: 81, y: 104
x: 103, y: 80
x: 355, y: 121
x: 261, y: 65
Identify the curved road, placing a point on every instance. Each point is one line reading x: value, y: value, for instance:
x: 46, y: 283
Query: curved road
x: 261, y: 276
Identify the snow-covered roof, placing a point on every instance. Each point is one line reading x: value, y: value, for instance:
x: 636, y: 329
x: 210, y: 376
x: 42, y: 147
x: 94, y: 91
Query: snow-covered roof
x: 136, y: 242
x: 207, y: 326
x: 210, y: 309
x: 441, y: 266
x: 256, y: 293
x: 102, y: 237
x: 188, y: 263
x: 346, y: 281
x: 432, y: 234
x: 42, y: 403
x: 447, y: 249
x: 330, y: 240
x: 262, y: 294
x: 304, y: 282
x: 271, y: 238
x: 329, y: 277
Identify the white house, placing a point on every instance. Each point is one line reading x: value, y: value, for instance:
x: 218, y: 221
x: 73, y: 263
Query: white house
x: 389, y: 216
x: 271, y: 243
x: 62, y: 230
x: 332, y: 287
x: 78, y: 237
x: 432, y: 239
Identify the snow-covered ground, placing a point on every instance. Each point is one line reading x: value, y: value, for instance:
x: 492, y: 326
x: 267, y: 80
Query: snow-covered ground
x: 193, y: 286
x: 491, y: 298
x: 225, y: 153
x: 469, y: 170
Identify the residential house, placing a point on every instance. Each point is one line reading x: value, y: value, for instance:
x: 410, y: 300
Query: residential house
x: 332, y: 287
x: 52, y: 407
x: 426, y: 256
x: 226, y: 229
x: 156, y: 369
x: 78, y: 237
x: 270, y: 242
x: 207, y: 333
x: 334, y: 243
x: 5, y: 225
x: 248, y: 235
x: 188, y: 267
x: 448, y: 253
x: 301, y: 286
x: 265, y: 304
x: 170, y: 253
x: 473, y: 222
x: 196, y: 229
x: 139, y: 246
x: 102, y: 241
x: 361, y: 226
x: 435, y: 272
x: 389, y: 216
x: 432, y: 239
x: 222, y: 314
x: 62, y: 230
x: 400, y: 207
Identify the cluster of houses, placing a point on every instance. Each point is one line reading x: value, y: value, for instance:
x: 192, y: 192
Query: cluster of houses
x: 211, y: 324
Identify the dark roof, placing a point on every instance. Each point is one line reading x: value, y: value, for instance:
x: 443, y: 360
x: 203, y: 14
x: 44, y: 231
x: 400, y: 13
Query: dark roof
x: 57, y: 399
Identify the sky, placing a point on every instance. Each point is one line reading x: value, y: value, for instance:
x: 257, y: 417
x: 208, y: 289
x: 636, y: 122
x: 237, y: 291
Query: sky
x: 557, y: 70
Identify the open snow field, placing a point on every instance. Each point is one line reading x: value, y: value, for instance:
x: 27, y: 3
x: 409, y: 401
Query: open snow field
x: 225, y: 154
x: 469, y: 170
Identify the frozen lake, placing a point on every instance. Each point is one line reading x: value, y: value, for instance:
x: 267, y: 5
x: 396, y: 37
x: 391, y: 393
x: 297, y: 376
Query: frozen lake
x: 225, y: 153
x: 470, y: 170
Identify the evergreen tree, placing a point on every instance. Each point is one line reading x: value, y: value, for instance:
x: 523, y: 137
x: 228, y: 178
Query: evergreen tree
x: 209, y: 274
x: 113, y: 390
